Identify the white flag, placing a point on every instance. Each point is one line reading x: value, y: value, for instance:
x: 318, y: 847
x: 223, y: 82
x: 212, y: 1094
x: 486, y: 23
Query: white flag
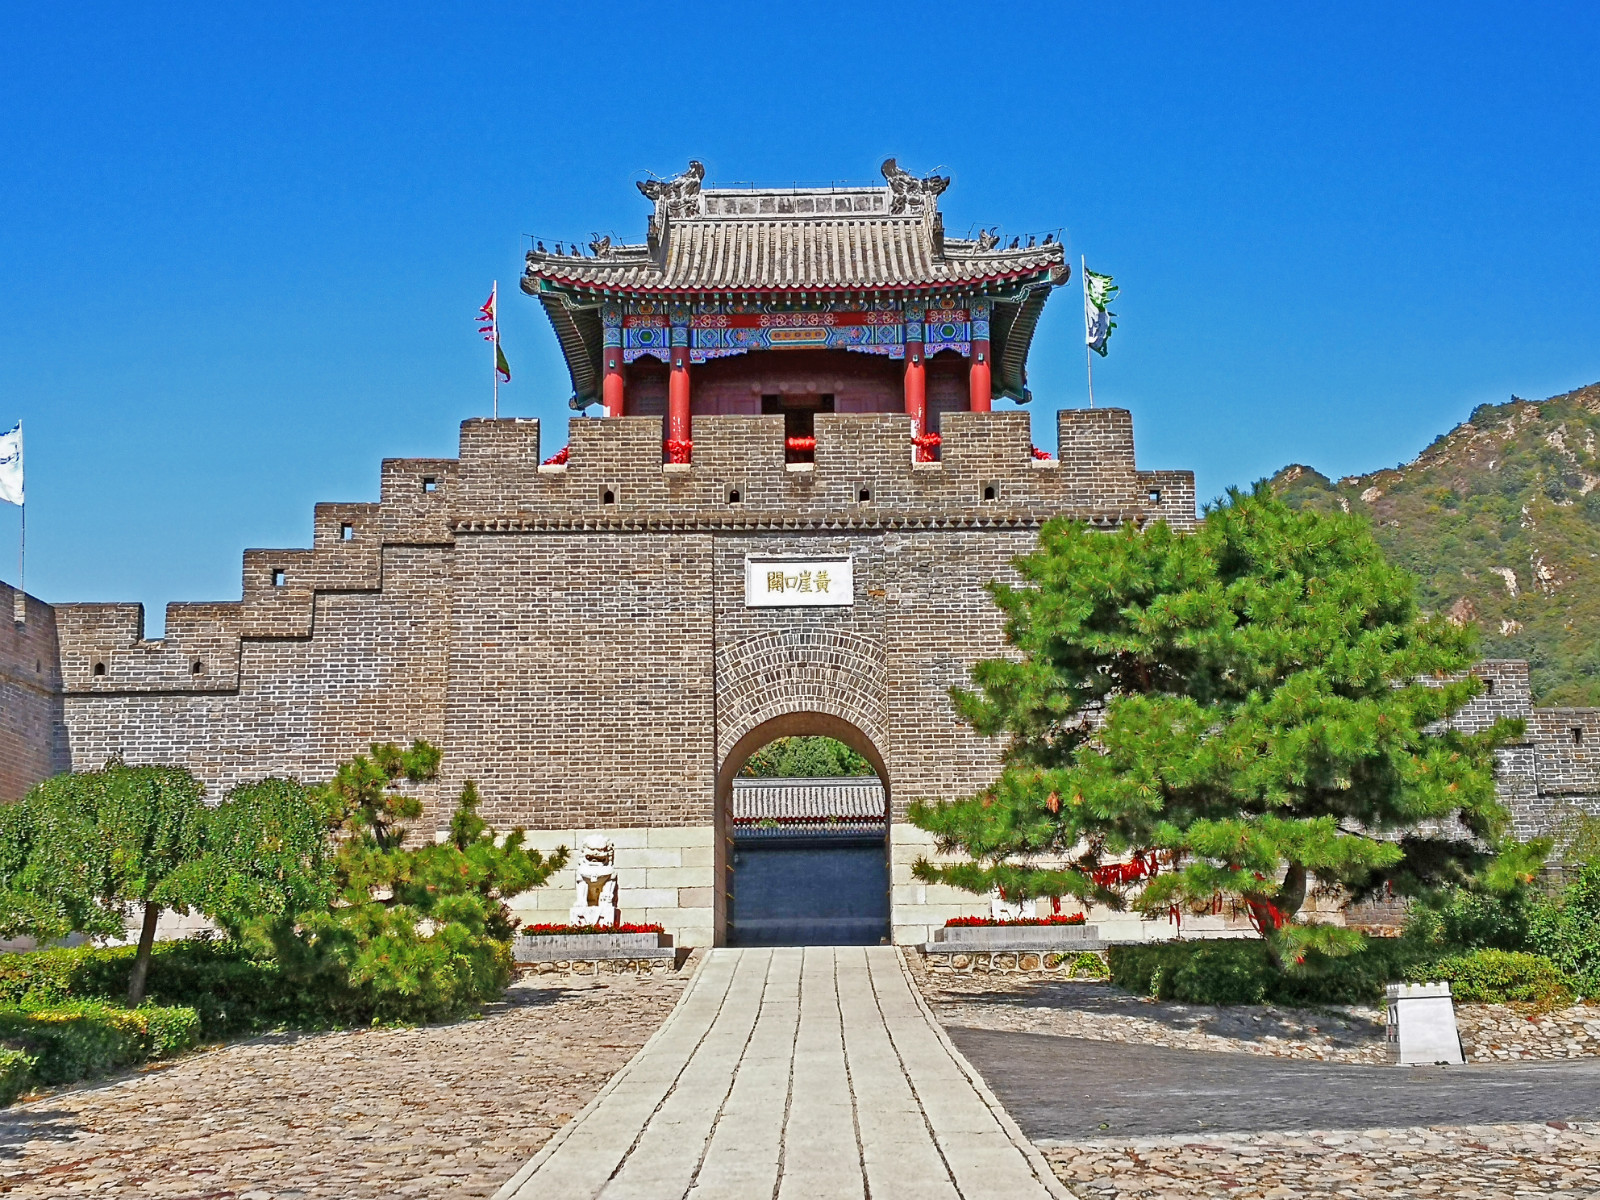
x: 11, y: 465
x: 1098, y: 292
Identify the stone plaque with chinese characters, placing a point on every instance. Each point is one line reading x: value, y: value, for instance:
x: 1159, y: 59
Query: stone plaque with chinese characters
x: 797, y: 582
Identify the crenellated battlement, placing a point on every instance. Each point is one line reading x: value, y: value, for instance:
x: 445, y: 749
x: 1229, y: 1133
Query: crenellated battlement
x: 103, y: 648
x: 863, y: 474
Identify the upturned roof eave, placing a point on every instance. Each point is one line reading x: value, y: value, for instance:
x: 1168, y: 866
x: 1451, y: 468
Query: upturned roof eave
x: 612, y: 288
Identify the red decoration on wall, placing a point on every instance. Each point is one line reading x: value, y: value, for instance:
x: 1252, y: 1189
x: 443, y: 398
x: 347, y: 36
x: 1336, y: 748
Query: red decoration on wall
x: 559, y: 458
x: 800, y: 443
x: 987, y: 922
x: 926, y: 441
x: 1041, y: 455
x: 678, y: 450
x: 1141, y: 866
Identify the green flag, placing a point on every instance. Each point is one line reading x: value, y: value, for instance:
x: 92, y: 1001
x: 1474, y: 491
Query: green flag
x: 1098, y: 292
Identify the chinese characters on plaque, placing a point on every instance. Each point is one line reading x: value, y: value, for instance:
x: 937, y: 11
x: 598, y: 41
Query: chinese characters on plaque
x: 797, y: 582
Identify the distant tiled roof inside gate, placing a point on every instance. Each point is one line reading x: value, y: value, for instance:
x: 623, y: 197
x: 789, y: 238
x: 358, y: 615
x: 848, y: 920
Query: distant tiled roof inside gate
x: 854, y: 798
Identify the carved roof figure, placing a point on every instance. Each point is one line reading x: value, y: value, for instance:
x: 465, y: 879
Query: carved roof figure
x: 907, y: 191
x: 678, y: 196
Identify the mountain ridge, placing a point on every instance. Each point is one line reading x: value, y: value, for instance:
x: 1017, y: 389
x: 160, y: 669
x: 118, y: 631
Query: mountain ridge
x: 1499, y: 520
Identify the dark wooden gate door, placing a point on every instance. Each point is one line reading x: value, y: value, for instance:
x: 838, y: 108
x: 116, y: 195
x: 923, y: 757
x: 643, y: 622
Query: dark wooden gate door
x: 808, y: 889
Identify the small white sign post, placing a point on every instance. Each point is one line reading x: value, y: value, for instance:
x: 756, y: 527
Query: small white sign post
x: 1422, y: 1023
x: 798, y: 582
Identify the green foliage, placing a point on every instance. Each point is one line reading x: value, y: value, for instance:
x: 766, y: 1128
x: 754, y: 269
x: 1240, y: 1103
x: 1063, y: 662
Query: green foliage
x: 1504, y: 492
x: 268, y: 855
x: 805, y: 758
x: 16, y: 1074
x: 412, y: 934
x: 81, y: 1039
x: 1497, y: 977
x: 1242, y: 971
x: 1567, y: 930
x: 80, y: 850
x: 1577, y: 835
x: 231, y: 990
x: 1089, y: 965
x: 1455, y: 919
x: 1269, y: 699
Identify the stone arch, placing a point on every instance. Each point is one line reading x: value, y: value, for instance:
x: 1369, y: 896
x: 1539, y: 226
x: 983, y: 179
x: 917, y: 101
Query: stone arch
x: 824, y: 673
x: 797, y: 723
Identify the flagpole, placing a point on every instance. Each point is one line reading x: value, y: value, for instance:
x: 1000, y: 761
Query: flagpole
x: 1088, y: 360
x: 494, y: 346
x: 22, y: 537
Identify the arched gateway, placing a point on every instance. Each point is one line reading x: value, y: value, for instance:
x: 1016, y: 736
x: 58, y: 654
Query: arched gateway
x: 783, y: 524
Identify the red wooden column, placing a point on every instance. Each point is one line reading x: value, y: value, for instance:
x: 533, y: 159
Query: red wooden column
x: 678, y: 428
x: 978, y: 376
x: 916, y: 380
x: 611, y: 388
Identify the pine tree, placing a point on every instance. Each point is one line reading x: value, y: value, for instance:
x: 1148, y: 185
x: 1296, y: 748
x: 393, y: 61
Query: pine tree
x: 1222, y: 716
x: 412, y: 933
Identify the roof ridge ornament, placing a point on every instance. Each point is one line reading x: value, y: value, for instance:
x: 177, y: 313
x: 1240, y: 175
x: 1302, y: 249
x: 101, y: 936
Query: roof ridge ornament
x: 907, y: 191
x: 678, y: 196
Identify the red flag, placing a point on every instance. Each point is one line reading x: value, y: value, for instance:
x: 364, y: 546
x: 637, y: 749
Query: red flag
x: 489, y: 314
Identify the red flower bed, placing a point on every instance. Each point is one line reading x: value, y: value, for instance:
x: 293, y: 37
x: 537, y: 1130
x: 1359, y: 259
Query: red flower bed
x: 983, y: 922
x: 547, y: 930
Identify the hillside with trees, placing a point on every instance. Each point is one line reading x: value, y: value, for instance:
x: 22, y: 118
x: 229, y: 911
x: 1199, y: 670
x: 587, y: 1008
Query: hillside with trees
x: 1499, y: 520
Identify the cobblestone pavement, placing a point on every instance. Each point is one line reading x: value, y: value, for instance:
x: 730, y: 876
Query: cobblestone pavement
x: 1485, y: 1162
x: 1519, y: 1032
x: 1023, y: 1003
x: 441, y: 1111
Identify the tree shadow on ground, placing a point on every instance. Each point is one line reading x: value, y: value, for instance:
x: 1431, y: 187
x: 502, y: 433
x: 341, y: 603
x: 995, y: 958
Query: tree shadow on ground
x: 1342, y: 1026
x: 19, y: 1126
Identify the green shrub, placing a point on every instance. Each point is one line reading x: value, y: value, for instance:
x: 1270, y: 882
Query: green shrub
x: 76, y: 1041
x: 230, y: 990
x: 1567, y: 931
x: 1497, y: 977
x: 1234, y: 971
x: 1241, y: 971
x: 16, y: 1074
x: 1457, y: 919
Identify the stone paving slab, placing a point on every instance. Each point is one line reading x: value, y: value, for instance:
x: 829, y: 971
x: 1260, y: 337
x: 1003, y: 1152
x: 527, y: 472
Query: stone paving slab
x: 805, y: 1074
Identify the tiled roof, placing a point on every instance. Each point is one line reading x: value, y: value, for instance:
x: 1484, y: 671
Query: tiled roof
x: 857, y: 798
x: 848, y: 253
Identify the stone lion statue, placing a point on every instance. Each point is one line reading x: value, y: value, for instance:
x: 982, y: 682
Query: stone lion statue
x: 596, y: 902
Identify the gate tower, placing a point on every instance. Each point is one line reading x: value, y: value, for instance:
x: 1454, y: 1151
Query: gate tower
x: 783, y: 524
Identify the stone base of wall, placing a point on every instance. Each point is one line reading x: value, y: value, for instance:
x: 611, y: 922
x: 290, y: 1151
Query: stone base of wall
x: 665, y: 876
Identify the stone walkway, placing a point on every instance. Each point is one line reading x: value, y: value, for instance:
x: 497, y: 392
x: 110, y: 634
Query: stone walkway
x: 811, y: 1074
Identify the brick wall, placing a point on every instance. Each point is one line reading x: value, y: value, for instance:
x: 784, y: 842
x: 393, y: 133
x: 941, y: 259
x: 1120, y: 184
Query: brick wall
x: 32, y: 733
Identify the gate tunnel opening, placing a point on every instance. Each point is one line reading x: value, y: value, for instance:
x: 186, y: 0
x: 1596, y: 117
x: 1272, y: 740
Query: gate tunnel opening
x: 805, y: 859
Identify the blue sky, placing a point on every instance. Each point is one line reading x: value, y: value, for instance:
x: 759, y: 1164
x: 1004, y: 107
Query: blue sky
x: 240, y: 252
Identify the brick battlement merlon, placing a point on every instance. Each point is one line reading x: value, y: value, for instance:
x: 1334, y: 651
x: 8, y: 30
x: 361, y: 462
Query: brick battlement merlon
x: 863, y: 466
